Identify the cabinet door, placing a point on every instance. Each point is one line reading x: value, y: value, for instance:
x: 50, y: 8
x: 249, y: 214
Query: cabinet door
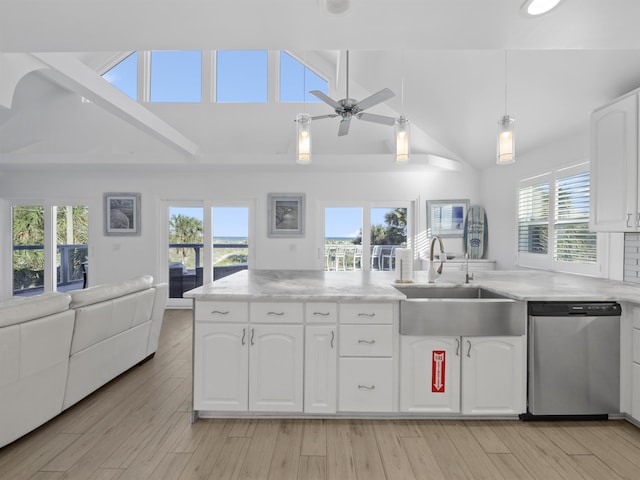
x: 430, y: 374
x: 275, y: 368
x: 614, y: 167
x: 635, y: 391
x: 320, y: 369
x: 493, y: 375
x: 220, y: 367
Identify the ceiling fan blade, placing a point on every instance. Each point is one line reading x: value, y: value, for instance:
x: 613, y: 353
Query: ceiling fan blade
x: 326, y: 99
x: 320, y: 117
x: 372, y: 117
x: 376, y: 98
x: 343, y: 129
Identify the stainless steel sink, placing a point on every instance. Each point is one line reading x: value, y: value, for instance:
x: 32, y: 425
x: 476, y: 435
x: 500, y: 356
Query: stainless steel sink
x: 459, y: 310
x: 448, y: 291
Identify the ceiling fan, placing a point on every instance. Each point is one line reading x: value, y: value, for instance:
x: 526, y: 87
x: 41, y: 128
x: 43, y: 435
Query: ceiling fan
x: 348, y: 107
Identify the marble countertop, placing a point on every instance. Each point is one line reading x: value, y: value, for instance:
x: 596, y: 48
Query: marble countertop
x: 301, y: 285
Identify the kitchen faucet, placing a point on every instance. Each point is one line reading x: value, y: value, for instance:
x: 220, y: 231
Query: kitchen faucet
x: 467, y: 277
x: 432, y: 273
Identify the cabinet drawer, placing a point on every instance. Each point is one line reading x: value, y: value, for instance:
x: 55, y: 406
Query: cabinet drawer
x: 379, y: 313
x: 276, y: 312
x: 210, y: 311
x: 366, y: 340
x: 321, y: 312
x: 636, y: 345
x: 366, y: 385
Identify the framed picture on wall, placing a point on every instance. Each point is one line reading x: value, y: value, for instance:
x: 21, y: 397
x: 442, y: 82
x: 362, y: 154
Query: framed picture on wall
x: 445, y: 218
x: 286, y: 214
x: 121, y: 214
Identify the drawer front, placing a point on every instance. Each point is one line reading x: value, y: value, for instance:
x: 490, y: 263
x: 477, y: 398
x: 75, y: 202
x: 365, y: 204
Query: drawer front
x: 321, y: 312
x: 209, y: 311
x: 366, y: 385
x: 379, y: 313
x: 366, y: 340
x: 636, y: 345
x: 276, y: 312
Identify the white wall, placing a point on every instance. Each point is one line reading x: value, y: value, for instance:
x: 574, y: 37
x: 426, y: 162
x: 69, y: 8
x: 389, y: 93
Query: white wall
x: 115, y: 258
x: 499, y: 187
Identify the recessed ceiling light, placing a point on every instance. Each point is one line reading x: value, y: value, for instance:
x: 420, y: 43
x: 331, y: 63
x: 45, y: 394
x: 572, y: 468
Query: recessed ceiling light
x: 337, y: 7
x: 534, y: 8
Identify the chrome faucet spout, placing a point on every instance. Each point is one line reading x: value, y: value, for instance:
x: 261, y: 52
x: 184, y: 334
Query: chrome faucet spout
x: 432, y: 273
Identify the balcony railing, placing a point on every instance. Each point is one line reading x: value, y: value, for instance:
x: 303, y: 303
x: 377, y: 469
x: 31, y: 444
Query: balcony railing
x: 70, y: 274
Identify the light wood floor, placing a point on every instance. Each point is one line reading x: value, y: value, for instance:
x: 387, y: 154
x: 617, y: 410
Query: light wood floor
x: 138, y: 427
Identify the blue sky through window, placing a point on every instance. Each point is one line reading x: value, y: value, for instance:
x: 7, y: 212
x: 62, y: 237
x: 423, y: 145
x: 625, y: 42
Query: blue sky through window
x: 176, y: 76
x: 124, y: 76
x: 296, y: 80
x: 241, y: 76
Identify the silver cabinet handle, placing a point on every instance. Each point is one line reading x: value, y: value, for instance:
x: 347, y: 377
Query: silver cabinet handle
x: 469, y: 349
x: 321, y: 314
x: 366, y: 314
x: 277, y: 314
x: 457, y: 347
x: 628, y: 218
x: 367, y: 387
x: 253, y: 332
x: 638, y: 220
x: 368, y: 342
x: 244, y: 334
x: 333, y: 337
x: 220, y: 312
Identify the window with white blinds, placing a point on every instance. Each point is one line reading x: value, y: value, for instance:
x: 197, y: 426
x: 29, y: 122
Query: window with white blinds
x: 573, y: 242
x: 553, y: 222
x: 533, y: 218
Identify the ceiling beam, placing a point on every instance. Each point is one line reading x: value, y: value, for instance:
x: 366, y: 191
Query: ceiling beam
x: 74, y: 74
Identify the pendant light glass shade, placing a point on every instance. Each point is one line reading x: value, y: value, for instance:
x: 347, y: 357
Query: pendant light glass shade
x: 506, y: 141
x: 303, y: 127
x: 402, y: 140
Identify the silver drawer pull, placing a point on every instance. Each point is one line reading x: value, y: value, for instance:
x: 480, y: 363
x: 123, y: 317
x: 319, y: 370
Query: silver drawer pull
x: 367, y: 387
x: 220, y: 312
x: 366, y: 314
x: 321, y: 314
x: 277, y: 314
x: 368, y: 342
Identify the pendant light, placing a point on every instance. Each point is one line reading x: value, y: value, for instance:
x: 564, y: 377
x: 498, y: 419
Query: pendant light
x: 402, y: 131
x: 506, y: 139
x: 402, y: 139
x: 303, y: 127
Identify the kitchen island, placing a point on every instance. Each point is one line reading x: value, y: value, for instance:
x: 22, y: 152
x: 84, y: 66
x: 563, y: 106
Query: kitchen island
x: 313, y: 343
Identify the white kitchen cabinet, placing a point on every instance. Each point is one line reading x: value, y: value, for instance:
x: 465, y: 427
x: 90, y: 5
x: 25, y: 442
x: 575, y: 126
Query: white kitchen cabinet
x: 429, y: 374
x: 276, y: 368
x: 366, y: 384
x: 221, y: 367
x: 493, y: 375
x: 614, y: 166
x: 472, y: 375
x: 321, y: 346
x: 635, y: 365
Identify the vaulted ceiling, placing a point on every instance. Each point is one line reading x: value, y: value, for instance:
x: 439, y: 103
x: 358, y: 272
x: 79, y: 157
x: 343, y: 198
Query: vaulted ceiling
x: 445, y: 60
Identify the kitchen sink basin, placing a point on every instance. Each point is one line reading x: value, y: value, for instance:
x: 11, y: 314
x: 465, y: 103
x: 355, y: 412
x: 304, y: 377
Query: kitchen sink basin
x: 449, y: 291
x: 460, y: 310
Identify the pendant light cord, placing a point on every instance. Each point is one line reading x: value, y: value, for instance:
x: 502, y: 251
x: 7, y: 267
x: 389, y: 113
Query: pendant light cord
x: 505, y: 83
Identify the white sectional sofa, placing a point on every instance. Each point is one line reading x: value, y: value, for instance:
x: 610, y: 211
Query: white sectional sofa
x: 57, y: 348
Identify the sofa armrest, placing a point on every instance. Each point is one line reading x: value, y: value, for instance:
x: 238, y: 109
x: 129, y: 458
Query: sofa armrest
x: 101, y: 293
x: 157, y: 315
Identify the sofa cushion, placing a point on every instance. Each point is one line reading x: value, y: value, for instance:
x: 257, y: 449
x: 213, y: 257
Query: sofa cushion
x: 23, y: 309
x: 100, y: 293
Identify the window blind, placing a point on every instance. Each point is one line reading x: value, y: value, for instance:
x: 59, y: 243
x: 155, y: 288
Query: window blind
x: 573, y: 242
x: 533, y: 218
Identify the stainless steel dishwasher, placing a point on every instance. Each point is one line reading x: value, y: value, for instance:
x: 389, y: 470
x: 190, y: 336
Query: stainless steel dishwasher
x: 573, y: 360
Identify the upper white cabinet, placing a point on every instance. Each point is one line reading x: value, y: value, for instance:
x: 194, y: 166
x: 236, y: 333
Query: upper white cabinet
x: 614, y: 166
